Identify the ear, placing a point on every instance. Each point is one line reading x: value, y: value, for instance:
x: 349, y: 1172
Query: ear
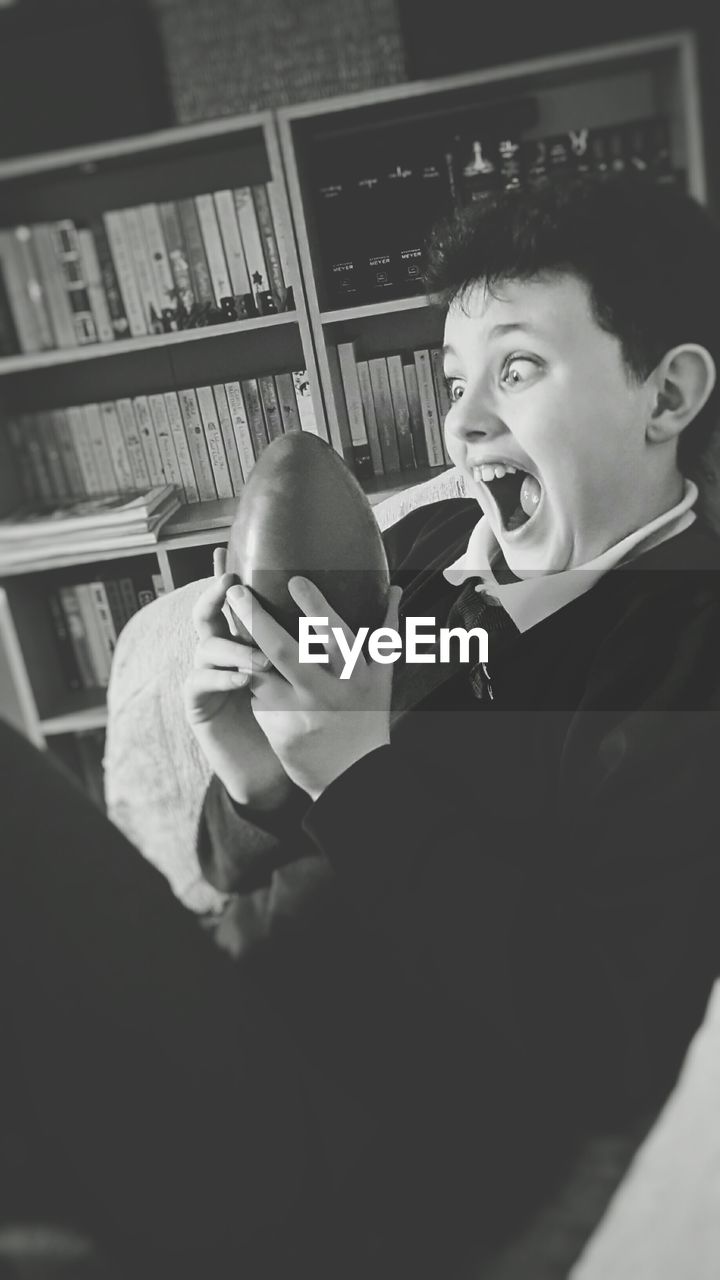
x: 682, y: 384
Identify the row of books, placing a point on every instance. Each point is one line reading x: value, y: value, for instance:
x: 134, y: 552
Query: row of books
x: 203, y: 441
x: 376, y: 204
x: 396, y: 406
x: 154, y: 268
x: 87, y: 618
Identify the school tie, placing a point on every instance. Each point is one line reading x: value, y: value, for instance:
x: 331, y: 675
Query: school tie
x: 476, y: 607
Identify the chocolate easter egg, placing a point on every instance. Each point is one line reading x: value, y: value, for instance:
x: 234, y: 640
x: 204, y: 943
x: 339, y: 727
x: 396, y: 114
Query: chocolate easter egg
x: 303, y: 512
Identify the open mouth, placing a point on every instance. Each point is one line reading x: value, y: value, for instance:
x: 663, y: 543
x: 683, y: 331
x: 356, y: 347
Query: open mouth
x: 517, y: 496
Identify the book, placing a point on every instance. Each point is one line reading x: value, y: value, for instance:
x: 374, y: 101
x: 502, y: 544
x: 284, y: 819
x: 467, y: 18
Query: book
x: 45, y: 433
x: 204, y: 298
x: 100, y: 448
x: 271, y: 406
x: 255, y: 415
x: 416, y: 420
x: 442, y: 395
x: 476, y: 165
x: 21, y: 454
x: 252, y: 244
x: 80, y: 436
x: 133, y: 444
x: 306, y: 408
x: 117, y: 447
x: 214, y: 442
x: 228, y: 437
x: 70, y: 606
x: 53, y: 284
x: 109, y: 278
x: 384, y: 413
x: 143, y: 269
x: 197, y: 444
x: 24, y: 291
x: 429, y: 408
x: 36, y: 453
x: 67, y: 655
x: 67, y: 249
x: 104, y: 616
x: 270, y: 246
x: 182, y: 295
x: 9, y: 340
x: 160, y: 266
x: 128, y: 597
x: 100, y: 658
x: 361, y: 455
x: 241, y: 289
x: 279, y: 215
x: 366, y: 395
x: 148, y: 440
x: 374, y: 229
x: 68, y: 454
x: 65, y: 527
x: 92, y: 274
x: 112, y: 591
x: 288, y: 403
x: 116, y: 232
x: 401, y: 411
x: 337, y: 225
x: 166, y: 444
x: 241, y: 427
x: 182, y: 449
x: 215, y: 254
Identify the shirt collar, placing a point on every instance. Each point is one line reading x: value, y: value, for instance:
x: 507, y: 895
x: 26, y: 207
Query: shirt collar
x: 531, y: 600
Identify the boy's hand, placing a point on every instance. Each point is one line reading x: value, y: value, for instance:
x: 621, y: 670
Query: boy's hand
x: 317, y: 724
x: 218, y: 707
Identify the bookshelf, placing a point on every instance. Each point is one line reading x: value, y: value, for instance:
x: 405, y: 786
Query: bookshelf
x: 598, y: 89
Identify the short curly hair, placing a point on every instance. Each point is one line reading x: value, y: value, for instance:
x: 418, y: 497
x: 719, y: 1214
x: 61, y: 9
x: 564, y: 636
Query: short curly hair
x: 649, y: 254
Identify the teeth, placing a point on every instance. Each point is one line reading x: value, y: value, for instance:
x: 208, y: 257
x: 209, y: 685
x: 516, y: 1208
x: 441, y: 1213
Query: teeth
x: 494, y: 471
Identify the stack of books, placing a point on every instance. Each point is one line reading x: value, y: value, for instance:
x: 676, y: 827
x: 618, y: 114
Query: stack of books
x: 108, y: 522
x: 152, y: 268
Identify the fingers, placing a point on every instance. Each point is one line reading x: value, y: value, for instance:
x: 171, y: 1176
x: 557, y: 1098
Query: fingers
x: 219, y: 561
x: 207, y: 613
x: 273, y: 639
x: 209, y: 680
x: 217, y: 651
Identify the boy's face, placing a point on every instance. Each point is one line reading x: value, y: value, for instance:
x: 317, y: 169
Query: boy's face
x: 535, y: 383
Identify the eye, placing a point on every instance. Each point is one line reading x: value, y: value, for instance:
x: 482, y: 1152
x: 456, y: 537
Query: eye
x: 518, y: 370
x: 455, y: 388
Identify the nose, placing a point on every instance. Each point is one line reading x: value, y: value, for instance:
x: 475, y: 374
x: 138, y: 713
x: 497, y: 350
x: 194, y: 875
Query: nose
x: 472, y: 418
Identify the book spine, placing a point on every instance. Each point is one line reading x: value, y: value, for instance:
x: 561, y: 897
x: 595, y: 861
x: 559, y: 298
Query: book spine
x: 67, y: 250
x: 371, y: 425
x: 159, y: 265
x: 71, y: 465
x: 441, y: 395
x: 264, y: 217
x: 30, y: 268
x: 128, y: 596
x: 416, y: 419
x: 90, y: 265
x: 53, y: 286
x: 252, y: 244
x: 109, y: 278
x: 271, y: 406
x: 401, y: 410
x: 197, y: 444
x: 21, y: 454
x: 80, y: 435
x: 99, y: 655
x: 197, y: 260
x: 143, y: 269
x: 65, y: 648
x: 288, y: 403
x: 116, y: 232
x: 278, y: 216
x: 70, y: 606
x: 38, y: 460
x: 117, y: 447
x: 183, y: 296
x: 158, y: 585
x: 362, y: 456
x: 9, y: 340
x: 166, y: 444
x: 114, y: 599
x: 428, y: 405
x: 108, y: 632
x: 226, y: 430
x: 241, y: 427
x: 235, y: 254
x: 133, y: 444
x: 380, y: 382
x: 255, y: 415
x: 214, y: 252
x: 24, y: 292
x: 99, y: 445
x: 214, y: 442
x: 45, y: 429
x: 182, y: 450
x: 146, y: 431
x: 305, y: 406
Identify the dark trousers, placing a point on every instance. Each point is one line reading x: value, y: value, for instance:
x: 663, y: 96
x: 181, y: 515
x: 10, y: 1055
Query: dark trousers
x: 146, y: 1093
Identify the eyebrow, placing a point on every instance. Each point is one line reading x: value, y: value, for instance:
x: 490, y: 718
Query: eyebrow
x: 499, y: 329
